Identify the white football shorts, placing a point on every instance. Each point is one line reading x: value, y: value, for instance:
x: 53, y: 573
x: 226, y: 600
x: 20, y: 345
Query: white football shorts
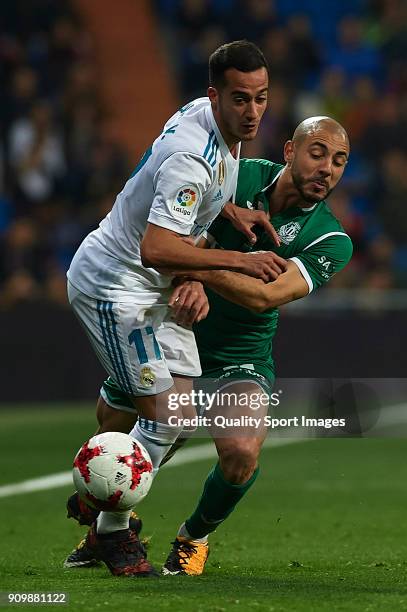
x: 139, y: 346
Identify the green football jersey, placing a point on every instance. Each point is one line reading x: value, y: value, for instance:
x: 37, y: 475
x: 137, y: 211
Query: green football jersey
x: 311, y: 237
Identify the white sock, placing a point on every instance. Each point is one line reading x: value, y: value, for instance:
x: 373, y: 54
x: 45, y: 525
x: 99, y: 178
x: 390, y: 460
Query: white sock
x: 107, y: 522
x: 157, y: 438
x: 183, y: 531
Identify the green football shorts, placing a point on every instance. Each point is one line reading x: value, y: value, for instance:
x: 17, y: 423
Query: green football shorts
x: 243, y: 372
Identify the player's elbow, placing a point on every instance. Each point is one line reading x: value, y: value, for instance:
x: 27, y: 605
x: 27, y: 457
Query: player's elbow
x: 273, y: 297
x: 262, y: 302
x: 259, y: 306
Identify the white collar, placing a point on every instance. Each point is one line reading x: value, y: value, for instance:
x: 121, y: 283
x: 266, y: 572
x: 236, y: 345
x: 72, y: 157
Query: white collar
x: 273, y: 181
x: 309, y: 208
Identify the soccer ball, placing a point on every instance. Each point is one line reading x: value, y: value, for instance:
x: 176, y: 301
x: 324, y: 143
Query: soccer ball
x: 112, y: 472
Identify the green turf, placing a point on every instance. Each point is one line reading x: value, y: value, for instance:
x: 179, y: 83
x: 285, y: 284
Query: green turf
x: 322, y: 529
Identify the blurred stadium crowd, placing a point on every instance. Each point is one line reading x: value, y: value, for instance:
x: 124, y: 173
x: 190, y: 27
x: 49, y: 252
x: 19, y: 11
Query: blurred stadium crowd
x: 60, y: 168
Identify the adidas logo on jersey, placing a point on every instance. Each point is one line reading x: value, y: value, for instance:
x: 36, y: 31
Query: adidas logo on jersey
x: 218, y: 196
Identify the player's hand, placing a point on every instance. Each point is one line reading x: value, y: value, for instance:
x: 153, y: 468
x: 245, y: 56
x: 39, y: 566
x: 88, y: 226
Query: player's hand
x: 244, y: 220
x: 189, y: 303
x: 265, y: 265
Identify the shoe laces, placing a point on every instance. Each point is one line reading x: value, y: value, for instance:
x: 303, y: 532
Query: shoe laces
x: 184, y: 550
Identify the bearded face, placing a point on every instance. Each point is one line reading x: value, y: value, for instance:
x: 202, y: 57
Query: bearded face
x: 317, y: 162
x: 312, y: 189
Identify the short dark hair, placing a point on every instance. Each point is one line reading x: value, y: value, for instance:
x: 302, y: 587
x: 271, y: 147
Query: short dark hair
x: 240, y: 54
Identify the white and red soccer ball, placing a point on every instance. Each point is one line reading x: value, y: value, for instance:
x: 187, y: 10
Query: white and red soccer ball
x: 112, y: 472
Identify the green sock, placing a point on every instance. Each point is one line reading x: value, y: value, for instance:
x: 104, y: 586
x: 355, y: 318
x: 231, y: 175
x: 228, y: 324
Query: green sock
x: 218, y: 500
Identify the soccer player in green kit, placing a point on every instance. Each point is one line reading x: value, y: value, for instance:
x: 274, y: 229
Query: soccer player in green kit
x: 236, y: 337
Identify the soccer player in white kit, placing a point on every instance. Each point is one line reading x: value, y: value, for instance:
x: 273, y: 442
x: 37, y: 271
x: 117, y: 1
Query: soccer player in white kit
x: 116, y: 283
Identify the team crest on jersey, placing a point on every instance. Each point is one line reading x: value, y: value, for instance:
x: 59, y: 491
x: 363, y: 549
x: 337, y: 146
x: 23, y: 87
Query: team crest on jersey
x: 289, y: 231
x: 147, y: 377
x: 184, y: 202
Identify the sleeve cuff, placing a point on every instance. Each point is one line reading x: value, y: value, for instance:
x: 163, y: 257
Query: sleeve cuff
x: 169, y: 224
x: 304, y: 273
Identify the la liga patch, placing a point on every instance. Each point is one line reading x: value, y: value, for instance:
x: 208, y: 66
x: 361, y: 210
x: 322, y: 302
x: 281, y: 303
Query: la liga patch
x: 184, y: 202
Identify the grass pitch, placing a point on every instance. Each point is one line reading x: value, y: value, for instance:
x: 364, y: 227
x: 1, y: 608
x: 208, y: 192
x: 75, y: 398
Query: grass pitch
x: 323, y: 528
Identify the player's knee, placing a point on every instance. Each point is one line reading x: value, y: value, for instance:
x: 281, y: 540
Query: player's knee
x: 238, y: 460
x: 110, y: 419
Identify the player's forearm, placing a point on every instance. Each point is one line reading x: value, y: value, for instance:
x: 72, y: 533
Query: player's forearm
x: 254, y: 294
x: 201, y: 244
x: 163, y: 249
x: 173, y: 255
x: 237, y: 288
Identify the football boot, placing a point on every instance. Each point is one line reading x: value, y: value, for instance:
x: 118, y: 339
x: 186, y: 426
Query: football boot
x: 85, y: 556
x: 186, y: 557
x: 122, y: 552
x: 81, y: 512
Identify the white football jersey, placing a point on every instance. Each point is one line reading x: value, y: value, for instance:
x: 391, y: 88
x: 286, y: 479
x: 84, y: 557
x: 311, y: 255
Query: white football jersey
x: 181, y: 183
